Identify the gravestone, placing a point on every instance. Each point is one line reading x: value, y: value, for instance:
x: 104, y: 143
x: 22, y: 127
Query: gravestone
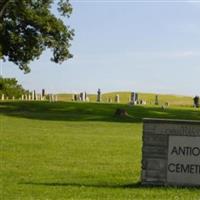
x: 82, y: 96
x: 85, y: 96
x: 156, y: 100
x: 196, y: 101
x: 43, y: 92
x: 171, y: 152
x: 32, y: 96
x: 142, y: 102
x: 73, y: 97
x: 34, y: 92
x: 117, y: 100
x: 2, y: 97
x: 134, y: 98
x: 99, y: 95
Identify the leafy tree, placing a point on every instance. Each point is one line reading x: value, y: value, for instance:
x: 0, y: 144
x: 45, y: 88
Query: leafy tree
x: 28, y: 27
x: 10, y: 87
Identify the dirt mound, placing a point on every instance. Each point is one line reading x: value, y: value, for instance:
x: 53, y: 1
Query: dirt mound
x: 120, y: 112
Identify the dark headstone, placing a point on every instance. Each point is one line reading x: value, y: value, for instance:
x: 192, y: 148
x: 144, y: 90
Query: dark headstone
x: 196, y: 101
x: 43, y: 92
x: 99, y: 95
x: 156, y: 100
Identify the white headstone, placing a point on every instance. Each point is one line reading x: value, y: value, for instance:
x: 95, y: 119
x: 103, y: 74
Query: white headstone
x: 73, y: 97
x: 2, y: 97
x: 33, y: 98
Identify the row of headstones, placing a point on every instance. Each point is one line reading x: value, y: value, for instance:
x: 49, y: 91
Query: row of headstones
x: 84, y: 98
x: 31, y: 97
x: 80, y: 97
x: 52, y: 98
x: 3, y: 97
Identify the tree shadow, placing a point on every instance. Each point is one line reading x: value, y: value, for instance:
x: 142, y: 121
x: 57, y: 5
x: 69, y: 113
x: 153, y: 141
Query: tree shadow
x: 70, y: 111
x: 137, y: 185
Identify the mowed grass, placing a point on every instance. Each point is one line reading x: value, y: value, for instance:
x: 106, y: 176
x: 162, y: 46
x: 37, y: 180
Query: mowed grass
x: 78, y: 151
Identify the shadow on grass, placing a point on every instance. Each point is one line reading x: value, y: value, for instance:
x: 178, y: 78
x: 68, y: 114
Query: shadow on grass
x: 137, y: 185
x: 69, y: 111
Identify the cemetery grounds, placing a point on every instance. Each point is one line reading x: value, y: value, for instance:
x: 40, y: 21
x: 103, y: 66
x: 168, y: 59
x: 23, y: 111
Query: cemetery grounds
x: 79, y: 151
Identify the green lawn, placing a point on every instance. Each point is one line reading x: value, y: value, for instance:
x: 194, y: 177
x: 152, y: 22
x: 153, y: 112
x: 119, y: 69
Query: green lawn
x: 78, y: 151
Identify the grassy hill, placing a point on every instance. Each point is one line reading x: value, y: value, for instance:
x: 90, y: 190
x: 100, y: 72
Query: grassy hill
x: 173, y: 100
x: 79, y: 151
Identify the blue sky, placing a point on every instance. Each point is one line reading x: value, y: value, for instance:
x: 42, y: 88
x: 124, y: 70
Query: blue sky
x: 144, y: 46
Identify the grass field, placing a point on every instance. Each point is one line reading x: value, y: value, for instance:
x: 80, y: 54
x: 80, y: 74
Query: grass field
x: 78, y: 151
x: 173, y: 100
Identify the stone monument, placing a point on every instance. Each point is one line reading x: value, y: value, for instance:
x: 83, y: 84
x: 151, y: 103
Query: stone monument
x: 196, y: 101
x: 99, y: 95
x: 43, y: 92
x: 156, y: 100
x: 117, y: 100
x: 32, y: 96
x: 34, y: 93
x: 134, y: 98
x: 2, y: 97
x: 171, y: 152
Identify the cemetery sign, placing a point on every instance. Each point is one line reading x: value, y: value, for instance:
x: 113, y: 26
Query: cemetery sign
x: 171, y: 152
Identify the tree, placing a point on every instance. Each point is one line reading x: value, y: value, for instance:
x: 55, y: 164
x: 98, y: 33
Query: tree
x: 9, y: 87
x: 28, y: 27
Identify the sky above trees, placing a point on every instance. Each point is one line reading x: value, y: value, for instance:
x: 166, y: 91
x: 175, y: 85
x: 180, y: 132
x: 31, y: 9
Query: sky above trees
x: 146, y: 46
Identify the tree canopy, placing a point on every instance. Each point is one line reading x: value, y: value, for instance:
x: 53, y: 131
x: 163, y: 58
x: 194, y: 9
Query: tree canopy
x: 10, y: 88
x: 28, y: 27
